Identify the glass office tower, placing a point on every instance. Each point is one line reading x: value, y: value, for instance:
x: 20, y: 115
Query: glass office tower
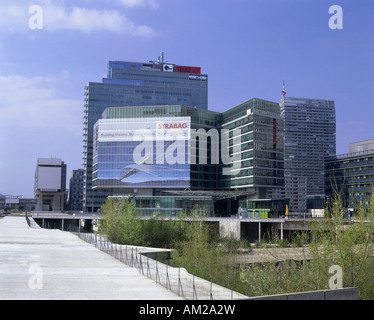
x: 76, y: 190
x: 310, y: 138
x: 136, y: 84
x: 261, y: 142
x: 164, y: 129
x: 146, y: 152
x: 259, y: 172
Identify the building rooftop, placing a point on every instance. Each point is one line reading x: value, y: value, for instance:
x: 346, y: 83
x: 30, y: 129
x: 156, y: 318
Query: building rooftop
x: 352, y: 154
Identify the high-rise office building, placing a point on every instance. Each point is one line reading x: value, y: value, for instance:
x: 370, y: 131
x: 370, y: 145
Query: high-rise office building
x: 260, y: 163
x: 310, y: 138
x: 136, y: 84
x: 260, y: 167
x: 76, y: 190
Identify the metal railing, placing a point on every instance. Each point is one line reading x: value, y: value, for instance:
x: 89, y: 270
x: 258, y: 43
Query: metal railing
x: 155, y: 265
x: 175, y: 279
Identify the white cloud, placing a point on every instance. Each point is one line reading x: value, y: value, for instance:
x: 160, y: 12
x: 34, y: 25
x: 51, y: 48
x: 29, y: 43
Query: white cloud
x: 14, y: 17
x: 87, y: 20
x: 34, y: 103
x: 35, y: 122
x: 15, y: 88
x: 152, y: 4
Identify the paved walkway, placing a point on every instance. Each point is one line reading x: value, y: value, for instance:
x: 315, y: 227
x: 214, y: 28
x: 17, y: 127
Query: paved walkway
x: 55, y: 265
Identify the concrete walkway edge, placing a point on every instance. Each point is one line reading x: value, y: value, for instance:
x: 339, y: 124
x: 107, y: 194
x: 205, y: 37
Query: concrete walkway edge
x: 41, y: 264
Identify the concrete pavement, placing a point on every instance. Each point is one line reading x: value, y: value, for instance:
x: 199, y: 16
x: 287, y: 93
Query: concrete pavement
x: 54, y: 265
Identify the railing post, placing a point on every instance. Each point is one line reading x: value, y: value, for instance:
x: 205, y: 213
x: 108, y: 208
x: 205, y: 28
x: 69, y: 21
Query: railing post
x: 193, y: 287
x: 132, y: 257
x: 157, y: 273
x: 148, y: 270
x: 141, y: 264
x: 211, y: 293
x: 180, y: 287
x: 167, y: 280
x: 136, y: 262
x: 121, y: 253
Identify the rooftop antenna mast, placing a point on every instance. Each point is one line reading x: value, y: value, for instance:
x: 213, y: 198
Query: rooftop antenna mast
x: 281, y: 104
x: 161, y: 58
x: 283, y: 91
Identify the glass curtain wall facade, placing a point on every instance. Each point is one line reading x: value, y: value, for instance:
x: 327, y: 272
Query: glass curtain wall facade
x: 152, y: 184
x: 261, y: 142
x: 352, y: 175
x: 154, y: 84
x: 200, y: 175
x: 135, y: 84
x: 255, y: 126
x: 141, y: 153
x: 310, y: 138
x: 172, y: 205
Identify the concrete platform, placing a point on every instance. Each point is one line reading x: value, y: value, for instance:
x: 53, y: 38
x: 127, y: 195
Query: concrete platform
x: 41, y: 264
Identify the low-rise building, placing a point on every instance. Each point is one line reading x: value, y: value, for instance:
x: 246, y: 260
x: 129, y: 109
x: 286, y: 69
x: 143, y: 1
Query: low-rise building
x: 351, y: 175
x: 50, y: 185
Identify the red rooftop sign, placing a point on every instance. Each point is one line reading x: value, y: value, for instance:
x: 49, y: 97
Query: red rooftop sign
x: 184, y: 69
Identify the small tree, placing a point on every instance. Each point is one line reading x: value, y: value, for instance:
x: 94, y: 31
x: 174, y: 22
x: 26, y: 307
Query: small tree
x: 334, y: 241
x: 196, y: 253
x: 348, y: 244
x: 120, y: 221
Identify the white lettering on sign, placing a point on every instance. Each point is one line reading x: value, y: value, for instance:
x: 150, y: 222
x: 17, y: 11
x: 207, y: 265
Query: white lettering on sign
x: 172, y: 126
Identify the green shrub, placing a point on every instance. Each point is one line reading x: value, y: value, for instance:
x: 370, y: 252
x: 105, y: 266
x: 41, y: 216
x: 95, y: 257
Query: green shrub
x: 162, y: 233
x: 120, y: 221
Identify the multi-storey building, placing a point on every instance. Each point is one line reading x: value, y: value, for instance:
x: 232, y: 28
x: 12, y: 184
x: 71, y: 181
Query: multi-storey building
x: 261, y: 142
x: 50, y: 184
x: 76, y: 190
x: 352, y: 175
x: 275, y: 152
x: 136, y: 84
x: 360, y: 146
x: 9, y: 203
x: 164, y: 161
x: 310, y: 138
x: 227, y: 158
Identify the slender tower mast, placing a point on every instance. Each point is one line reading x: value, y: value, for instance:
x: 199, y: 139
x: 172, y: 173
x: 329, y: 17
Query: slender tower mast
x: 281, y: 104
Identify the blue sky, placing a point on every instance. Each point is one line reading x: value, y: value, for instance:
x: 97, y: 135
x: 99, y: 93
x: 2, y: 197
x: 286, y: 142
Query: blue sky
x: 247, y: 47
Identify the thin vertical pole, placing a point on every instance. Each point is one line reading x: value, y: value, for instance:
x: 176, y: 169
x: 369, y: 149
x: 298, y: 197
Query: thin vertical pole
x: 281, y: 230
x: 259, y: 231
